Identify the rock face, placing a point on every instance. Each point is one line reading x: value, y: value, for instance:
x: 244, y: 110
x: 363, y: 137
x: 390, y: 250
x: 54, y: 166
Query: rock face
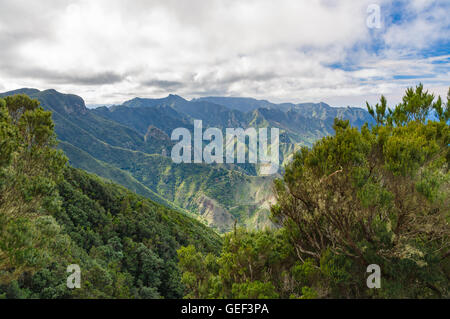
x: 252, y: 210
x: 154, y: 133
x: 214, y: 214
x: 63, y: 103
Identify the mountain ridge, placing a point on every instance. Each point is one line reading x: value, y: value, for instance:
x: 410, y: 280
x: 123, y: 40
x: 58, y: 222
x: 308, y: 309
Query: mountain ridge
x: 130, y: 144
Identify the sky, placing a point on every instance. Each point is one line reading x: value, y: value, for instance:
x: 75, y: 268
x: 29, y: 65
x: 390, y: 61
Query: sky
x: 109, y: 51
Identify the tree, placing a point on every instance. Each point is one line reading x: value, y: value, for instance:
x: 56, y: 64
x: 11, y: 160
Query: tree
x: 30, y: 166
x: 379, y: 195
x: 53, y: 215
x: 7, y: 135
x: 252, y: 264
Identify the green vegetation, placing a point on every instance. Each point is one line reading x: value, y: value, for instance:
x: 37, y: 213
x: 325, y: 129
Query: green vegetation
x: 52, y: 216
x: 378, y: 195
x: 130, y: 145
x: 94, y: 141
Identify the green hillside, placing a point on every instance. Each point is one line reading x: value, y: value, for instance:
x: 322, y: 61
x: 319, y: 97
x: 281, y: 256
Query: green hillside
x: 53, y: 216
x: 83, y: 160
x: 129, y: 144
x: 376, y: 195
x: 357, y: 202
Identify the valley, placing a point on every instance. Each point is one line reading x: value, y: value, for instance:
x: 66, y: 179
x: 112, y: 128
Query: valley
x: 130, y: 145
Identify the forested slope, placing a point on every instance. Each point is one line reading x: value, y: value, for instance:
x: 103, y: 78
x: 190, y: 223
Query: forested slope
x: 131, y: 145
x: 52, y: 216
x: 377, y: 196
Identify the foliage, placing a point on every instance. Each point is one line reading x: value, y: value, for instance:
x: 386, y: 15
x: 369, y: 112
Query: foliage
x: 378, y: 195
x: 30, y: 169
x: 375, y: 196
x: 114, y: 143
x: 52, y: 216
x: 371, y: 195
x: 251, y: 265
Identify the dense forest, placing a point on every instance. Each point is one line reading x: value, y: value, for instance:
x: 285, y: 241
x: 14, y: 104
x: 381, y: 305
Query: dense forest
x: 52, y: 216
x: 378, y: 194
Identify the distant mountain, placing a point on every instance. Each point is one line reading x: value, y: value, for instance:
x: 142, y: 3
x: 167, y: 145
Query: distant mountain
x: 130, y: 145
x: 140, y: 118
x: 242, y: 104
x: 80, y: 126
x: 357, y: 116
x: 213, y: 115
x: 144, y: 102
x: 304, y: 122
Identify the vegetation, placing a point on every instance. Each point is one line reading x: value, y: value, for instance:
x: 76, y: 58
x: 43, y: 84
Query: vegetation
x: 379, y: 195
x: 127, y: 143
x: 52, y: 216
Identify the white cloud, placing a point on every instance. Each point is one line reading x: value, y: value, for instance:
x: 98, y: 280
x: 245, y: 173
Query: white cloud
x: 109, y: 51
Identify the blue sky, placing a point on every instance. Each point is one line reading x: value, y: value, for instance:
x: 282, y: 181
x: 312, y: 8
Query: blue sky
x: 108, y: 51
x: 423, y: 52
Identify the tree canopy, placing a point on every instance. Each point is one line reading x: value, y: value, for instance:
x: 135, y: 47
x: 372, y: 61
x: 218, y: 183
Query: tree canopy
x: 378, y: 195
x: 53, y: 216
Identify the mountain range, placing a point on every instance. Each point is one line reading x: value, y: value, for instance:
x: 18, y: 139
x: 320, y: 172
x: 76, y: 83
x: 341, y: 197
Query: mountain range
x: 130, y: 144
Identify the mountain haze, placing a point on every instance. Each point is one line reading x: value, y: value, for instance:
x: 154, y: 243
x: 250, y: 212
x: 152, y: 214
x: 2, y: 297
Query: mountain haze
x: 130, y: 144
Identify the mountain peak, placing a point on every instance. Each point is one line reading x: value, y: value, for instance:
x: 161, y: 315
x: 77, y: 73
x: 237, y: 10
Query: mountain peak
x: 243, y: 104
x: 54, y: 100
x: 61, y: 102
x: 174, y: 96
x: 148, y: 102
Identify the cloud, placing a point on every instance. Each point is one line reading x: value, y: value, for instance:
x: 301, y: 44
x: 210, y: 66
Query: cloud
x: 162, y: 84
x: 422, y: 24
x: 58, y: 77
x: 289, y: 50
